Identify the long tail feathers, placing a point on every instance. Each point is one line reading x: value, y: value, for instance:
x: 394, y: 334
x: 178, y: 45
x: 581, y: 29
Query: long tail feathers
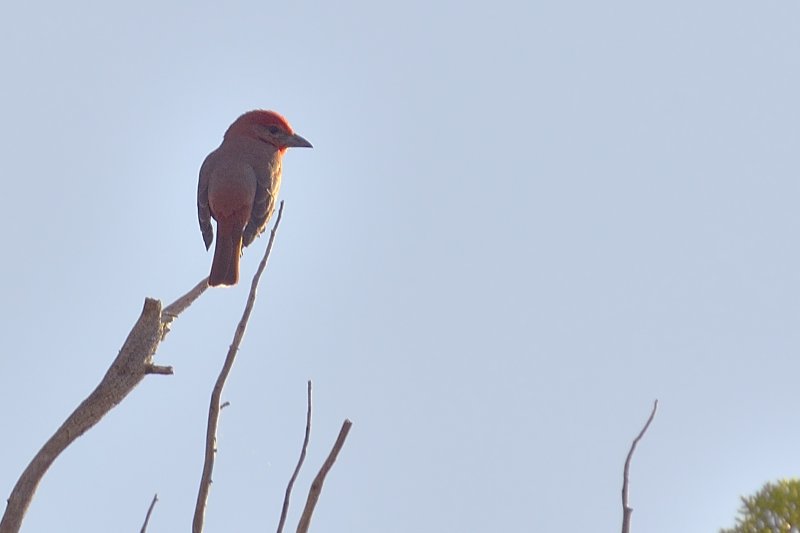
x: 225, y: 268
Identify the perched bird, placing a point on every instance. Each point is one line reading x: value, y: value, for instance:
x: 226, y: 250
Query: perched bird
x: 239, y: 182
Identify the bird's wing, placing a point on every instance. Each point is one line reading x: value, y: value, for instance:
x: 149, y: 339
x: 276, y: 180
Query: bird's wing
x: 267, y: 187
x: 203, y: 210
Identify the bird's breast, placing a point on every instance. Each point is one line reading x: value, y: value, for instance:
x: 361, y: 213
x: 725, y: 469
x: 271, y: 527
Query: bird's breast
x: 237, y: 170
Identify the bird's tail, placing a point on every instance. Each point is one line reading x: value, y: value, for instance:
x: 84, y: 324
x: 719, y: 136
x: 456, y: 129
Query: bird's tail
x: 225, y: 267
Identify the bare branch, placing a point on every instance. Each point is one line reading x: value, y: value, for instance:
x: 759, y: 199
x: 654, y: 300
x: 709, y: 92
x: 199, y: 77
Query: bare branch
x: 214, y: 407
x: 133, y: 362
x: 303, y: 451
x: 149, y: 512
x: 316, y: 486
x: 627, y: 510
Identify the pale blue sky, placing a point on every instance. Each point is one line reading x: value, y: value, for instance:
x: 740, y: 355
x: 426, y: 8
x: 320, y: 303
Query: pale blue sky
x: 520, y: 223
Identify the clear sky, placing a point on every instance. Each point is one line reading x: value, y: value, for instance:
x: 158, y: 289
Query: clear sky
x: 521, y: 223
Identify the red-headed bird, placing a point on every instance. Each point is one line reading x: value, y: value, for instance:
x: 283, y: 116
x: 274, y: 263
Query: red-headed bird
x: 239, y: 182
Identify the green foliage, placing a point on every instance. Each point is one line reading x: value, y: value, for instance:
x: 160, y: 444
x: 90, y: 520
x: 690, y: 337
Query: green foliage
x: 773, y: 509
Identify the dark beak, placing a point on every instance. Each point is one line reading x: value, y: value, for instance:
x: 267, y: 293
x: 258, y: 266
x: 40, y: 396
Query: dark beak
x: 296, y: 141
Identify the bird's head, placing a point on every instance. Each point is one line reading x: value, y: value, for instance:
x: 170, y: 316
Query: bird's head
x: 268, y: 127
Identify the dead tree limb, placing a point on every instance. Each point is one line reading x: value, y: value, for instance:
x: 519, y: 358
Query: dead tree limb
x: 130, y: 366
x: 627, y: 510
x: 316, y: 486
x: 216, y: 393
x: 134, y: 361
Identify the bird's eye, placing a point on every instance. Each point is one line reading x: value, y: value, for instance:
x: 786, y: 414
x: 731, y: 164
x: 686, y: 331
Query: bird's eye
x: 273, y: 129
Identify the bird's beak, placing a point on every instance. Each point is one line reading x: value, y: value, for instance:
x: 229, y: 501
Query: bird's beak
x: 296, y: 141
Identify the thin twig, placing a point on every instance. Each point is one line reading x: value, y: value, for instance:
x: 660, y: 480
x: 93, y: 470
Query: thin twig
x: 303, y: 451
x: 134, y: 361
x: 627, y: 510
x: 174, y: 309
x: 214, y: 406
x: 316, y: 485
x: 149, y: 512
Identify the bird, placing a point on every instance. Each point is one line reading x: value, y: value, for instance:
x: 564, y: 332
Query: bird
x: 238, y: 186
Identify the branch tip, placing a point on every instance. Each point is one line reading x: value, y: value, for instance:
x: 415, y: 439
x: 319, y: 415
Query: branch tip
x: 627, y: 510
x: 303, y: 450
x: 149, y: 512
x: 316, y: 485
